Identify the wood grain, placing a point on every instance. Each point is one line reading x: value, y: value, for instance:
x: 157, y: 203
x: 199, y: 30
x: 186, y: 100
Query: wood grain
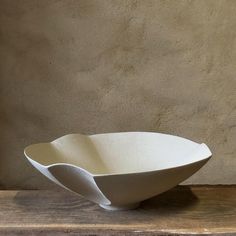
x: 181, y: 211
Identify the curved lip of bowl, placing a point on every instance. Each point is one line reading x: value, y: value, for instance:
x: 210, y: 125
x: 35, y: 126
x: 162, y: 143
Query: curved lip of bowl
x: 206, y: 158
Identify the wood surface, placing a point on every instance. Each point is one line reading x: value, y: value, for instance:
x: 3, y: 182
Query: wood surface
x: 185, y: 210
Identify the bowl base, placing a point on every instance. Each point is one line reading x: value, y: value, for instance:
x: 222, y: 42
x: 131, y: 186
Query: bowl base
x: 121, y: 207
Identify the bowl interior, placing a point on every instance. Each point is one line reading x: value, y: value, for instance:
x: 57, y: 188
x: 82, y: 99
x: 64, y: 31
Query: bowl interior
x: 117, y: 153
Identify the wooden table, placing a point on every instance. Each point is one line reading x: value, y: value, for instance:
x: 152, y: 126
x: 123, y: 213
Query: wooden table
x: 183, y: 210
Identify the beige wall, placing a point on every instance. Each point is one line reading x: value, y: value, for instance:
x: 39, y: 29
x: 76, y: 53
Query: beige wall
x: 105, y: 66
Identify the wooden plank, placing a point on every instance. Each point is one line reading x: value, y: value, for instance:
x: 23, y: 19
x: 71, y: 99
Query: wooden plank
x: 180, y: 211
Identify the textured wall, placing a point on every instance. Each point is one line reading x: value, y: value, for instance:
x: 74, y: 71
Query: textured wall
x: 105, y: 66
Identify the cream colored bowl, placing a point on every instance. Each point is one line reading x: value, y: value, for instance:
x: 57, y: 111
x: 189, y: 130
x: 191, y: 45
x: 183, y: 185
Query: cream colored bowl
x: 118, y: 170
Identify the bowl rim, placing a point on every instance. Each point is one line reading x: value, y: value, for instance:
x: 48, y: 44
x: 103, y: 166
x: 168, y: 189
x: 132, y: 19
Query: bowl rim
x: 204, y: 159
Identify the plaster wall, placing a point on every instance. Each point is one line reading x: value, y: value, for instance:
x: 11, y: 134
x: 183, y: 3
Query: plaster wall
x: 107, y: 66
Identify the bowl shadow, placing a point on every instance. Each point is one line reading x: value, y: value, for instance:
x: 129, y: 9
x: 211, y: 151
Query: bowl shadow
x: 177, y: 199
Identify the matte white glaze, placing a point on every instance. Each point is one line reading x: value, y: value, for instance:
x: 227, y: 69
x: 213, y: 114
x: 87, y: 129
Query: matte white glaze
x: 118, y: 170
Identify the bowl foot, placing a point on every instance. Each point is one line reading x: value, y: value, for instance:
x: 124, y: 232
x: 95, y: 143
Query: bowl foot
x: 121, y: 207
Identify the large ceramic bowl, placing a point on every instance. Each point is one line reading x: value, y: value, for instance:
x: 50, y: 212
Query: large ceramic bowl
x: 118, y: 170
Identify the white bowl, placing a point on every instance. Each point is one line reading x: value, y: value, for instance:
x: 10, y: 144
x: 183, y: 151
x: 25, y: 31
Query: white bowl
x: 118, y: 170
